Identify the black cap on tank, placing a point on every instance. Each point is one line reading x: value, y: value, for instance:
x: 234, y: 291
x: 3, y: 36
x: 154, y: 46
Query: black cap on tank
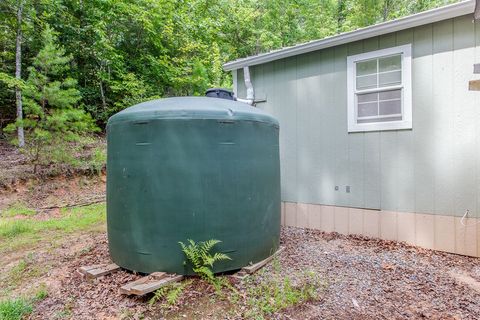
x: 220, y: 93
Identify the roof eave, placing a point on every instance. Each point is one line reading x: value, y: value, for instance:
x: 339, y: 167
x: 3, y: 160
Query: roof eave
x: 422, y: 18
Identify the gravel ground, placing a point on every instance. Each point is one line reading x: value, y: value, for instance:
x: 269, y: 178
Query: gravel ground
x: 365, y: 279
x: 377, y: 279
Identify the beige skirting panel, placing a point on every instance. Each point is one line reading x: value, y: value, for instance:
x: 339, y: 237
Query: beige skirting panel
x: 439, y: 232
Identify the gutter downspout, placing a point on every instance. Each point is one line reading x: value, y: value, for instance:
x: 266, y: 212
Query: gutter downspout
x: 248, y: 84
x: 476, y: 13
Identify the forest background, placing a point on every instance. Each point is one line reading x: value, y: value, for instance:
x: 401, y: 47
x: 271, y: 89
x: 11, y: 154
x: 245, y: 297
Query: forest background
x: 66, y: 66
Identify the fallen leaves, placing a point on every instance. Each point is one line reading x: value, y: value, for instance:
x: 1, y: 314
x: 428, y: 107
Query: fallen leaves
x: 365, y: 279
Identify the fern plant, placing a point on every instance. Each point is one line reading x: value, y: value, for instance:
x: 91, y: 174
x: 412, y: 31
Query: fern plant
x: 200, y: 256
x: 171, y: 293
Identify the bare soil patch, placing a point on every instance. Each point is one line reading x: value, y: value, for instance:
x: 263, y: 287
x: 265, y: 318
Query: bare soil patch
x: 48, y: 194
x: 17, y: 175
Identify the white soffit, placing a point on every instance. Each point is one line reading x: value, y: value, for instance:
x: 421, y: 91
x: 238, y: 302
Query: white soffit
x: 422, y: 18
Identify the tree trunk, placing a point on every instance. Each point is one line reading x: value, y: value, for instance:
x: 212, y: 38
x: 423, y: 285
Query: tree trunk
x: 102, y: 92
x: 18, y: 73
x: 340, y: 15
x: 386, y: 7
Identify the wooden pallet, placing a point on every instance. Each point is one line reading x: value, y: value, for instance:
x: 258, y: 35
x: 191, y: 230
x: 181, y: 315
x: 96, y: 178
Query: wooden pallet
x: 98, y: 270
x: 252, y: 268
x: 149, y: 283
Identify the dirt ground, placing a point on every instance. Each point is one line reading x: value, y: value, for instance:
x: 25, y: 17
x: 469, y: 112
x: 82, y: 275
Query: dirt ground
x: 365, y: 279
x: 361, y: 278
x: 46, y: 189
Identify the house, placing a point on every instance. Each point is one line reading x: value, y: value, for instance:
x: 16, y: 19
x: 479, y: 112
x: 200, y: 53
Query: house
x: 379, y: 133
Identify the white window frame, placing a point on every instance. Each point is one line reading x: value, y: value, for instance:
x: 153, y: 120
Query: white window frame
x: 405, y: 86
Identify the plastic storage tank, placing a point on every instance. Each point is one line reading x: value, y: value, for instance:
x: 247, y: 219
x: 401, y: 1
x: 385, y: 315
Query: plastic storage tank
x: 192, y: 168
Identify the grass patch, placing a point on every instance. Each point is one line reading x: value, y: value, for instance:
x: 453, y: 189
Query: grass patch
x: 15, y: 309
x: 41, y: 292
x: 26, y: 268
x: 13, y: 228
x: 274, y: 294
x: 15, y: 233
x: 169, y: 294
x: 17, y: 209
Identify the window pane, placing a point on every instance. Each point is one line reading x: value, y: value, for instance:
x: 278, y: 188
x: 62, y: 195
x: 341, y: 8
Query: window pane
x: 390, y: 78
x: 367, y: 97
x: 391, y: 94
x: 368, y: 109
x: 367, y: 82
x: 366, y: 67
x: 390, y: 63
x: 390, y: 107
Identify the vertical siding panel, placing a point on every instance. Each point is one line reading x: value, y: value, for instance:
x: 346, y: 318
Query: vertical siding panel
x: 477, y: 134
x: 303, y: 152
x: 285, y: 111
x: 241, y: 90
x: 389, y: 153
x: 464, y: 134
x: 464, y: 115
x: 329, y: 122
x: 355, y: 152
x: 307, y: 103
x: 340, y: 130
x: 234, y: 82
x: 405, y: 152
x: 268, y: 87
x: 373, y: 151
x: 422, y: 118
x: 442, y: 120
x: 256, y: 74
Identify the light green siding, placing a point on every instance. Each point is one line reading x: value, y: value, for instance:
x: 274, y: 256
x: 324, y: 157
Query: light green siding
x: 433, y: 168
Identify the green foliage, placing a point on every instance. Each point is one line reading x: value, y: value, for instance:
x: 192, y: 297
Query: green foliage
x: 53, y: 126
x: 41, y: 293
x: 98, y: 160
x: 169, y: 293
x: 116, y: 53
x: 199, y: 255
x: 24, y: 270
x: 15, y: 309
x: 13, y: 228
x: 9, y: 81
x: 19, y: 232
x: 277, y: 293
x: 16, y: 209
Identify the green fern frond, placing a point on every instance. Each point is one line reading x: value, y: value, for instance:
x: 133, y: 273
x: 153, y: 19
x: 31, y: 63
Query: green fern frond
x: 205, y: 272
x: 199, y: 256
x: 209, y: 244
x: 220, y: 257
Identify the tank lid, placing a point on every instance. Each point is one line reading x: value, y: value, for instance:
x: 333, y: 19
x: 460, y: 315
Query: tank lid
x: 193, y: 108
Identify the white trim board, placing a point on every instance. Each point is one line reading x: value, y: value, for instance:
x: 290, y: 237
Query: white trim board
x: 406, y: 122
x: 422, y: 18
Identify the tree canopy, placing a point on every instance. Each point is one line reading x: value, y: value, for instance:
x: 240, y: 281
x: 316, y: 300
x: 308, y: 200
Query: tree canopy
x: 120, y: 52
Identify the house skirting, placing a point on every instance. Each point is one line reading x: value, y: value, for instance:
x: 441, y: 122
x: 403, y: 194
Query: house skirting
x: 431, y: 231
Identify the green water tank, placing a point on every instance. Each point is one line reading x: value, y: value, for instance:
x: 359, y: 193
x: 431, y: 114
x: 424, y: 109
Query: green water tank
x: 192, y: 168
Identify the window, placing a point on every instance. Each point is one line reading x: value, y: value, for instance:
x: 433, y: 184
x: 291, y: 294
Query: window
x: 379, y: 90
